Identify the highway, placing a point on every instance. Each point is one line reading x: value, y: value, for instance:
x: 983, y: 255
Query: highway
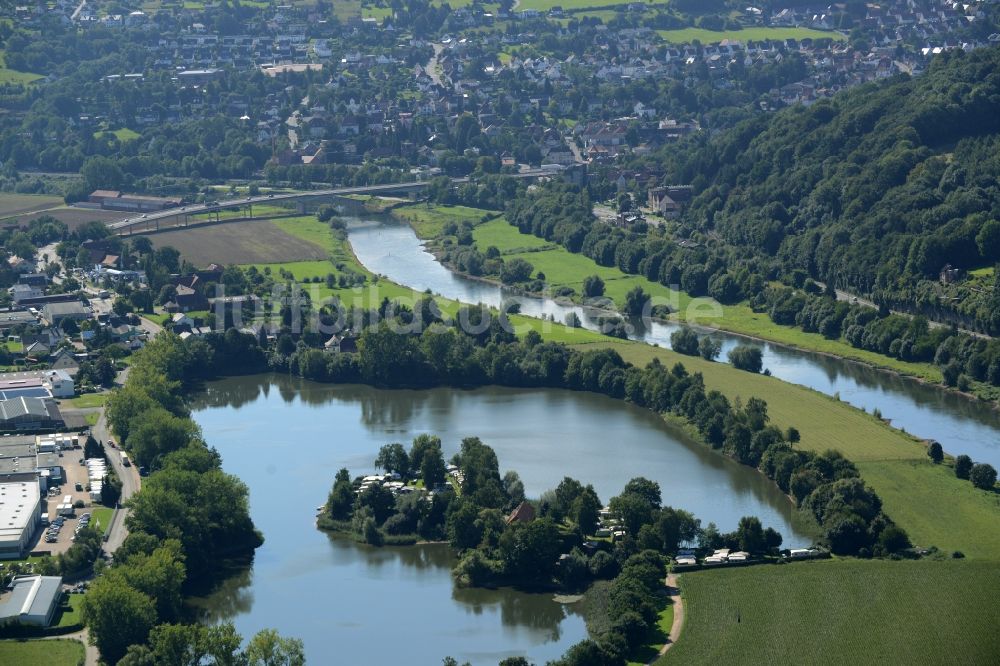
x: 128, y: 224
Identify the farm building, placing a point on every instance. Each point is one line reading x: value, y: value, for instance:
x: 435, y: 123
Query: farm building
x: 20, y: 513
x: 115, y: 200
x: 31, y: 600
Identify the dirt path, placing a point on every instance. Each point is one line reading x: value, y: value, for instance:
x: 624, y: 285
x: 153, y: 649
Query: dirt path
x: 93, y: 657
x: 675, y: 627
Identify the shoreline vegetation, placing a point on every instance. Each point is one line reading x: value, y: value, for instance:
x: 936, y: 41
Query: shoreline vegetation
x: 150, y: 417
x: 894, y: 463
x: 430, y: 225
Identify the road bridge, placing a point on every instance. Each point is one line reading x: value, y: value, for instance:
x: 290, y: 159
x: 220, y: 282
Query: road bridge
x: 212, y: 211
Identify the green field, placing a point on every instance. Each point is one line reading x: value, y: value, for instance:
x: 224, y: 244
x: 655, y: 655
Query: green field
x: 756, y: 34
x: 52, y: 653
x: 10, y: 76
x: 934, y: 507
x: 841, y: 612
x: 87, y: 400
x: 429, y: 221
x: 123, y: 134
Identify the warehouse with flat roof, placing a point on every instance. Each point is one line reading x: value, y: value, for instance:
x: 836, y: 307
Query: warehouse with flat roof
x: 20, y: 515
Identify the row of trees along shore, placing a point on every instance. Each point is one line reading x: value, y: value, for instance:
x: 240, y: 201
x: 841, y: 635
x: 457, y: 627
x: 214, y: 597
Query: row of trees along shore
x: 190, y: 515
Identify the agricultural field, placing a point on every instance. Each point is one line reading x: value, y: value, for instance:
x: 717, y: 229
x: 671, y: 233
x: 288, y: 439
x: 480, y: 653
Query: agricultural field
x: 841, y: 611
x: 754, y: 34
x: 933, y: 506
x: 75, y: 217
x: 21, y: 204
x: 248, y: 242
x: 62, y: 652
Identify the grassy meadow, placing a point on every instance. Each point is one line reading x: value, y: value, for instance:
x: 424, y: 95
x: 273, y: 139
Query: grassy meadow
x: 753, y: 34
x: 934, y: 507
x: 841, y: 612
x: 11, y: 76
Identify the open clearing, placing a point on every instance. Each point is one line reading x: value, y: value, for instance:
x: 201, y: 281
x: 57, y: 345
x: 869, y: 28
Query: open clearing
x: 11, y: 76
x: 841, y: 612
x: 248, y: 242
x: 757, y: 34
x: 50, y: 652
x: 18, y: 204
x: 933, y: 506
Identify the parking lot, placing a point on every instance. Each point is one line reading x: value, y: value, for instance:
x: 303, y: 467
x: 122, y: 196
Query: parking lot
x: 60, y: 540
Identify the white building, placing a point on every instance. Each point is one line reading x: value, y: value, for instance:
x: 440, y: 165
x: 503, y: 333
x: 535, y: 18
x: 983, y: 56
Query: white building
x: 59, y: 383
x: 20, y: 514
x: 31, y: 600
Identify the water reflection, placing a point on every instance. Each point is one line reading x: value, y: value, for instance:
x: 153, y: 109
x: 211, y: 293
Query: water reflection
x: 330, y: 590
x: 961, y: 425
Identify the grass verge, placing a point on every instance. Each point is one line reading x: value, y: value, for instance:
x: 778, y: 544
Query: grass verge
x: 62, y: 652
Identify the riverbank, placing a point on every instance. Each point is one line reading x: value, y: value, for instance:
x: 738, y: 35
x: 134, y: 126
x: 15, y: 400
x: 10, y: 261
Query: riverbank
x: 926, y: 499
x: 563, y: 269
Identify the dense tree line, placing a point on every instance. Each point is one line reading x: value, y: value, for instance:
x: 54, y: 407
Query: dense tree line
x: 718, y: 270
x: 862, y: 191
x: 187, y: 519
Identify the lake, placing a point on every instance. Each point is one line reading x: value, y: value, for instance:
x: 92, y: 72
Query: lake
x: 286, y: 438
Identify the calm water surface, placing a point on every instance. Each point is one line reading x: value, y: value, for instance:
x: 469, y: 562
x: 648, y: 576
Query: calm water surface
x: 286, y: 438
x: 961, y: 425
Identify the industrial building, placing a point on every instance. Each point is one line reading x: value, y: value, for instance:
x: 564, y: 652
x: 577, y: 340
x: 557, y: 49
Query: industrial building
x: 37, y: 384
x: 31, y: 600
x: 115, y: 200
x: 30, y: 414
x: 20, y: 515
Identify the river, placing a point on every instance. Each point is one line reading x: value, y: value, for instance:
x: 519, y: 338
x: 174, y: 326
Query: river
x: 352, y: 604
x: 392, y: 249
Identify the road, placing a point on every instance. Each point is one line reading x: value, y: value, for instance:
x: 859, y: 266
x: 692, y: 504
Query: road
x: 79, y: 8
x: 433, y: 66
x: 854, y: 298
x: 131, y: 482
x: 194, y: 209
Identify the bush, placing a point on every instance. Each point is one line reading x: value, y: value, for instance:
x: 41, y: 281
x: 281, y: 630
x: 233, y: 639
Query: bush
x: 983, y: 476
x: 593, y: 286
x: 747, y: 357
x: 935, y: 452
x: 684, y: 341
x: 963, y: 466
